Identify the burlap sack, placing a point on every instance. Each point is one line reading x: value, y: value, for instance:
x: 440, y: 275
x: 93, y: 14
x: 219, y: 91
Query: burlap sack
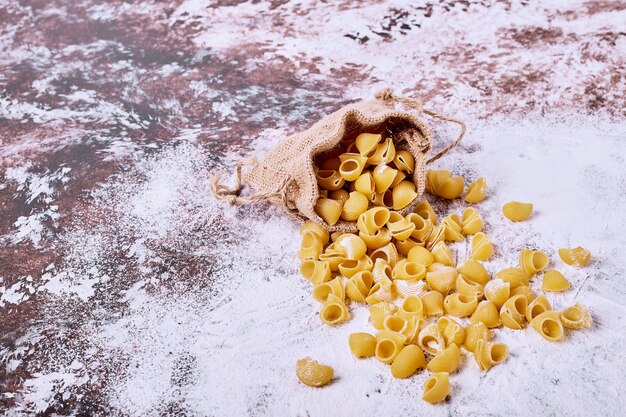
x: 286, y: 177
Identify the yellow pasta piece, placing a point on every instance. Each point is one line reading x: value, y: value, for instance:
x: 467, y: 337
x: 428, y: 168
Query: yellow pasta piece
x: 379, y: 239
x: 476, y: 191
x: 554, y: 281
x: 425, y: 211
x: 313, y: 374
x: 488, y: 354
x: 383, y: 177
x: 383, y: 199
x: 405, y: 270
x: 380, y: 311
x: 481, y: 248
x: 313, y: 227
x: 446, y: 186
x: 421, y: 255
x: 525, y: 291
x: 329, y: 179
x: 403, y: 194
x: 352, y: 165
x: 366, y: 143
x: 474, y: 270
x: 516, y: 211
x: 451, y: 331
x: 433, y: 303
x: 466, y: 286
x: 325, y: 193
x: 532, y: 261
x: 442, y: 254
x: 441, y: 278
x: 388, y: 345
x: 356, y: 205
x: 351, y: 245
x: 334, y: 257
x: 497, y: 291
x: 410, y: 359
x: 373, y: 220
x: 400, y: 176
x: 475, y: 332
x: 384, y: 153
x: 412, y: 305
x: 405, y: 288
x: 471, y: 221
x: 576, y: 317
x: 486, y: 312
x: 436, y: 388
x: 404, y: 161
x: 423, y: 227
x: 434, y: 178
x: 446, y: 361
x: 315, y: 271
x: 548, y: 325
x: 365, y: 184
x: 350, y: 267
x: 339, y: 195
x: 536, y: 307
x: 576, y: 257
x: 399, y: 227
x: 460, y: 305
x: 329, y: 210
x: 452, y: 228
x: 405, y: 246
x: 513, y: 312
x: 311, y: 246
x: 359, y: 285
x: 335, y: 235
x: 396, y: 323
x: 388, y: 253
x: 334, y: 310
x: 514, y: 276
x: 323, y: 290
x: 436, y: 235
x: 382, y: 271
x: 431, y: 340
x: 362, y: 345
x: 380, y: 291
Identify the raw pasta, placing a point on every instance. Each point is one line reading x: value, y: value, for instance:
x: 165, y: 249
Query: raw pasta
x: 351, y: 245
x: 460, y: 305
x: 424, y: 210
x: 311, y: 246
x: 436, y: 388
x: 533, y: 261
x: 329, y: 179
x: 548, y: 325
x: 513, y: 312
x: 383, y: 177
x: 313, y: 374
x: 403, y: 193
x: 423, y: 227
x: 482, y: 248
x: 431, y: 340
x: 333, y: 287
x: 382, y: 271
x: 366, y: 143
x: 471, y: 221
x: 467, y: 287
x: 333, y: 256
x: 404, y: 161
x: 452, y: 228
x: 355, y: 205
x: 380, y: 311
x: 451, y: 331
x: 313, y: 227
x: 380, y: 291
x: 442, y: 183
x: 410, y: 359
x: 476, y: 191
x: 576, y: 257
x: 358, y: 287
x: 497, y: 291
x: 388, y: 253
x: 537, y: 306
x: 576, y: 317
x: 412, y: 305
x: 339, y: 195
x: 474, y: 271
x: 384, y: 153
x: 350, y: 267
x: 399, y: 227
x: 475, y: 332
x: 554, y: 281
x: 334, y: 311
x: 377, y: 240
x: 362, y: 345
x: 388, y: 345
x: 442, y: 254
x: 365, y: 184
x: 329, y: 210
x: 433, y: 303
x: 421, y: 255
x: 441, y: 278
x: 373, y: 220
x: 352, y: 164
x: 525, y: 291
x: 514, y: 276
x: 405, y: 270
x: 446, y: 361
x: 516, y: 211
x: 486, y: 312
x: 488, y: 354
x: 315, y: 271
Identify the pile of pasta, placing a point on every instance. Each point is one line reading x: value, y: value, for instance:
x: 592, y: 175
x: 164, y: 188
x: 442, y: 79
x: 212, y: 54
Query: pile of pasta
x: 426, y: 309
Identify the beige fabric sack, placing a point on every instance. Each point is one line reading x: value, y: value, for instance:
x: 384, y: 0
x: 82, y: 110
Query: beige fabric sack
x: 286, y: 177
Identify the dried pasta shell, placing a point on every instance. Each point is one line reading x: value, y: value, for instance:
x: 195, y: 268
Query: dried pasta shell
x: 514, y: 276
x: 576, y: 257
x: 395, y: 323
x: 488, y: 354
x: 532, y: 261
x: 311, y: 246
x: 433, y: 303
x: 351, y: 245
x: 497, y: 291
x: 325, y: 193
x: 576, y: 317
x: 548, y: 325
x: 366, y: 143
x: 379, y: 239
x: 349, y: 268
x: 373, y: 220
x: 451, y: 331
x: 400, y: 176
x: 446, y: 361
x: 358, y: 287
x: 334, y: 257
x: 352, y: 164
x: 315, y: 271
x: 437, y: 235
x: 403, y: 194
x: 466, y: 286
x: 313, y: 227
x: 486, y: 312
x: 383, y: 177
x: 399, y: 227
x: 421, y: 255
x: 442, y: 254
x: 452, y: 228
x: 476, y: 191
x: 460, y: 305
x: 412, y: 305
x: 365, y: 184
x: 329, y: 210
x: 431, y: 340
x: 410, y: 359
x: 475, y: 332
x: 474, y: 270
x: 436, y: 388
x: 481, y: 248
x: 441, y: 278
x: 425, y: 211
x: 382, y: 271
x: 323, y: 290
x: 525, y: 291
x: 405, y: 270
x: 379, y: 311
x: 536, y: 307
x: 356, y: 205
x: 516, y: 211
x: 335, y: 235
x: 388, y: 345
x: 554, y: 281
x: 362, y: 345
x: 451, y: 188
x: 404, y: 161
x: 383, y: 199
x: 405, y: 246
x: 434, y: 179
x: 513, y: 312
x: 389, y: 253
x: 329, y: 179
x: 313, y: 374
x: 385, y: 153
x: 334, y: 310
x: 471, y: 222
x: 405, y: 288
x: 380, y: 291
x: 423, y: 227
